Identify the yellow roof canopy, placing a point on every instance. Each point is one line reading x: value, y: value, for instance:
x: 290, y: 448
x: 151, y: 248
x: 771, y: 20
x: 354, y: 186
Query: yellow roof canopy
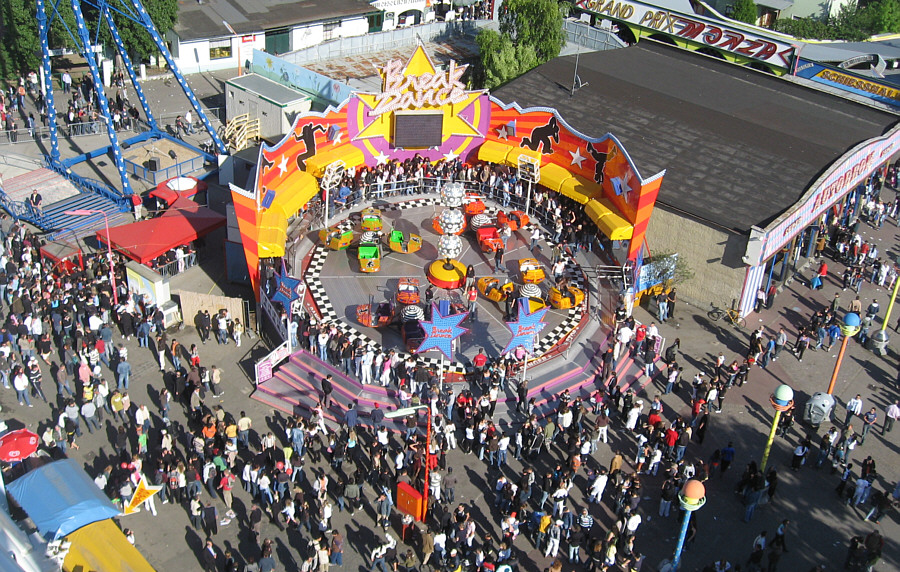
x: 303, y: 188
x: 102, y: 546
x: 553, y: 176
x: 493, y: 151
x: 604, y: 214
x: 579, y: 189
x: 350, y: 155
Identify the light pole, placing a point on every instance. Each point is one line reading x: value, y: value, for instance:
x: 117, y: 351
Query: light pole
x: 691, y: 498
x: 781, y: 400
x: 849, y: 328
x: 403, y: 412
x: 112, y: 269
x: 881, y: 338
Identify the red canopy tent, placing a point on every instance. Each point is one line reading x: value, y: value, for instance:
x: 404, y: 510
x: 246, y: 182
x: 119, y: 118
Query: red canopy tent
x: 183, y: 222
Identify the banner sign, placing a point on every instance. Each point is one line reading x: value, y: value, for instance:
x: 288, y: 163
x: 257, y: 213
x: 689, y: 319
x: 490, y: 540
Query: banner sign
x: 720, y: 34
x: 845, y: 174
x: 868, y: 87
x: 265, y: 368
x: 141, y: 494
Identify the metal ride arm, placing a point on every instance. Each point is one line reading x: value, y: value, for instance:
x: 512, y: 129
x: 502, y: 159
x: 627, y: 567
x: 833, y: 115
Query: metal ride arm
x: 91, y: 58
x: 43, y: 31
x: 114, y: 30
x: 164, y: 50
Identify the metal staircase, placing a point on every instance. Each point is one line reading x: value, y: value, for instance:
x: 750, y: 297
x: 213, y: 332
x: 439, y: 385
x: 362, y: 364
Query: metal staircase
x: 240, y: 132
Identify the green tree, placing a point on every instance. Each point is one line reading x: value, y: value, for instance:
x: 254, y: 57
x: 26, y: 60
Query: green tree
x: 20, y: 48
x: 885, y: 16
x: 163, y: 13
x: 851, y: 23
x: 531, y: 33
x: 501, y: 59
x: 536, y: 23
x: 745, y: 11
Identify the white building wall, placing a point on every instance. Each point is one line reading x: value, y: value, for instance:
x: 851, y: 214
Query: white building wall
x: 193, y: 56
x: 306, y: 36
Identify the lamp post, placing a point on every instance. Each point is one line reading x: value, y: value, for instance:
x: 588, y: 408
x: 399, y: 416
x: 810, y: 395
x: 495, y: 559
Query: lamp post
x: 881, y: 338
x: 112, y: 269
x: 403, y: 412
x: 781, y: 400
x: 691, y: 498
x: 849, y: 328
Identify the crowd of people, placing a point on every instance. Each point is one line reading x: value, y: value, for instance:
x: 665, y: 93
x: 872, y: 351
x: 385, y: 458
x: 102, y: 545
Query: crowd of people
x: 297, y: 471
x: 82, y: 114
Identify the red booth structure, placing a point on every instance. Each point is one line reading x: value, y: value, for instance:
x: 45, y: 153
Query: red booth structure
x: 63, y: 255
x: 183, y: 222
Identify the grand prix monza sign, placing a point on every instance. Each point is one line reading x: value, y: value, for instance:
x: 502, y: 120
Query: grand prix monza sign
x: 700, y: 30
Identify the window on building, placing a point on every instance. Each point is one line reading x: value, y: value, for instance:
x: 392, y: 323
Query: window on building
x: 220, y: 49
x: 331, y: 30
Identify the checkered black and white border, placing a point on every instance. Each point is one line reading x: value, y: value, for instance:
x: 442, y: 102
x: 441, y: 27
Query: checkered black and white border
x: 320, y: 295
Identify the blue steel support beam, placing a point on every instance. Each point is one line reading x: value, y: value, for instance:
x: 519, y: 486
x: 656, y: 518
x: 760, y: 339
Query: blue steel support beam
x: 43, y: 31
x: 151, y: 120
x: 91, y: 58
x: 164, y: 50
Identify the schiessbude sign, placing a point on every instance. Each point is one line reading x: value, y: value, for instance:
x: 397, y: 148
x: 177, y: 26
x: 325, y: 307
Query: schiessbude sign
x: 714, y: 33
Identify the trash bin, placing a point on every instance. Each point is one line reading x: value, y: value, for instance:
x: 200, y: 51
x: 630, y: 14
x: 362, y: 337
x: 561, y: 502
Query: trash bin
x: 818, y: 409
x: 879, y: 341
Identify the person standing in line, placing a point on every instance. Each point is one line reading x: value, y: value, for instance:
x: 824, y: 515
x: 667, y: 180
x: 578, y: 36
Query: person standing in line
x: 672, y: 298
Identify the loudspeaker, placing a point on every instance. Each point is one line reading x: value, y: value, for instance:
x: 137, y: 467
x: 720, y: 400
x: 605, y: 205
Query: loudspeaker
x: 172, y: 154
x: 153, y: 164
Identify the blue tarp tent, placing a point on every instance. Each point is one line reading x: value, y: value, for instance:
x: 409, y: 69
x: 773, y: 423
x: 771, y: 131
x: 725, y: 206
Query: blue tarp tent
x: 60, y: 498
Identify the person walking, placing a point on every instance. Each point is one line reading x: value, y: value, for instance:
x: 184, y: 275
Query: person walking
x: 890, y: 415
x: 869, y: 420
x: 854, y: 408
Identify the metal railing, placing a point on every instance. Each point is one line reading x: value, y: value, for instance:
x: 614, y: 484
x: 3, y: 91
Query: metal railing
x: 389, y: 40
x: 177, y: 266
x: 86, y: 129
x: 591, y: 37
x: 187, y: 167
x: 508, y: 200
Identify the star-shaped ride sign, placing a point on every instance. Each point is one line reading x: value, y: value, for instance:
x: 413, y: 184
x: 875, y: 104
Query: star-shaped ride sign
x: 287, y: 290
x: 526, y: 329
x: 441, y: 331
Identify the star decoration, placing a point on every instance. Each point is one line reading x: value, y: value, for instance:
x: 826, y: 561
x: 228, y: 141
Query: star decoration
x: 526, y: 328
x: 502, y: 134
x: 381, y: 158
x: 451, y: 155
x: 399, y: 93
x: 283, y: 165
x: 441, y: 331
x: 337, y: 138
x: 577, y: 157
x: 286, y: 290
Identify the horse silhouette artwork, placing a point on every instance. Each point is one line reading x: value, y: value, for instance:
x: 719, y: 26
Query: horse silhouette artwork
x: 600, y: 158
x: 267, y: 164
x: 541, y: 137
x: 308, y: 137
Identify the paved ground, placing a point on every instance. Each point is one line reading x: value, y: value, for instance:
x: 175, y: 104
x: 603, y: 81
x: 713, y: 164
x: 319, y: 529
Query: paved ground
x: 821, y: 525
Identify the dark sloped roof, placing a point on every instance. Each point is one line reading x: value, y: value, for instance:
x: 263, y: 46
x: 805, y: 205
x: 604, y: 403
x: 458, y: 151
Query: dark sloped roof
x: 740, y: 147
x: 196, y: 20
